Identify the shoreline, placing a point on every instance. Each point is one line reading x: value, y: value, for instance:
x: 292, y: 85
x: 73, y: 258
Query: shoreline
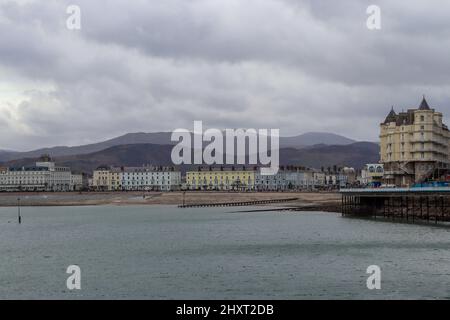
x: 307, y: 201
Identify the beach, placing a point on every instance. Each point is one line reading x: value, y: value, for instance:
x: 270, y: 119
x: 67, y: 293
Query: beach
x: 310, y: 201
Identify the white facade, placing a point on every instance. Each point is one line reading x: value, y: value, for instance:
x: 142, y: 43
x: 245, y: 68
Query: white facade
x: 61, y: 179
x: 275, y: 182
x: 148, y: 178
x: 151, y: 178
x: 286, y: 180
x: 45, y: 176
x: 371, y: 173
x: 319, y: 179
x: 76, y: 182
x: 306, y: 180
x: 25, y: 179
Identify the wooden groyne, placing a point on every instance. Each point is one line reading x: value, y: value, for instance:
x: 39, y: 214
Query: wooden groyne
x: 410, y: 204
x: 237, y: 204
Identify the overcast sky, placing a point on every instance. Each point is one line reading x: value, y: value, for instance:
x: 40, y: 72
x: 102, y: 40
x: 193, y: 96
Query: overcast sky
x: 158, y: 65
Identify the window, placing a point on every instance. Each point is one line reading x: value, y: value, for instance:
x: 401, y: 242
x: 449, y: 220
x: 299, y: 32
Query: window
x: 422, y: 118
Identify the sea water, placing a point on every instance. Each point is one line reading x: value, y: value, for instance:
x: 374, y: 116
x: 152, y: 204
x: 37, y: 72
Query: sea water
x: 163, y: 252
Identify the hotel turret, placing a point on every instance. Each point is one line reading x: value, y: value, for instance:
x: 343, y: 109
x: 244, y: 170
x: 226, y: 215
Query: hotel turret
x: 414, y: 146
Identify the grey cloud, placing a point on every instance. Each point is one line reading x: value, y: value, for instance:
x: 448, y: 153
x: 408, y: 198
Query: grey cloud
x: 159, y: 65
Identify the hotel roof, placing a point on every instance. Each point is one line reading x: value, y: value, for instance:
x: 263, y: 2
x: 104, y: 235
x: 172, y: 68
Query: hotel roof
x: 424, y: 105
x: 391, y: 117
x: 406, y: 118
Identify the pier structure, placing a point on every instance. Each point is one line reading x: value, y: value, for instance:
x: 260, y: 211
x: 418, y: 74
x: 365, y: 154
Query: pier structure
x: 410, y: 204
x: 236, y: 204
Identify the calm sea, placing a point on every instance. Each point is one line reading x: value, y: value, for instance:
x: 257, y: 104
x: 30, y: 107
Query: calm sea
x: 162, y: 252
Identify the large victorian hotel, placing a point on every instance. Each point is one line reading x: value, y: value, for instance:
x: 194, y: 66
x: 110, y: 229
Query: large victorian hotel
x: 414, y: 146
x: 44, y: 176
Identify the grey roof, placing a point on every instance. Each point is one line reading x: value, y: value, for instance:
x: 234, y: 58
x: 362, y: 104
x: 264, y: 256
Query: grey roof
x: 405, y: 118
x: 424, y: 105
x: 29, y: 169
x: 391, y: 117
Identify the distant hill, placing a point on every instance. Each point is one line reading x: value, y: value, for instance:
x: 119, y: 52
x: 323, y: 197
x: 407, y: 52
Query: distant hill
x: 163, y: 138
x: 314, y: 138
x: 127, y: 155
x: 129, y: 138
x: 354, y: 155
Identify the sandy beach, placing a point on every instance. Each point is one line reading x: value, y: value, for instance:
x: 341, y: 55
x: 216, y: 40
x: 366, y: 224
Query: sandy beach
x: 311, y: 201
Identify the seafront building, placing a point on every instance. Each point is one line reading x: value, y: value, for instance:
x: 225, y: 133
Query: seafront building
x: 414, y: 146
x: 319, y: 179
x: 277, y: 182
x: 116, y: 179
x: 288, y: 178
x: 221, y: 179
x: 101, y: 180
x: 79, y: 181
x: 336, y: 180
x: 146, y: 178
x: 150, y: 178
x: 44, y: 176
x: 372, y: 174
x: 25, y: 179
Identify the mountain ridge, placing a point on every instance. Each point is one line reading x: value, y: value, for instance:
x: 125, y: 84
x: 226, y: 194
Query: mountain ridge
x: 163, y: 138
x: 353, y: 155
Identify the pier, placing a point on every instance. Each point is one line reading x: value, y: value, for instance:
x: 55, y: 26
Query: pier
x: 237, y: 204
x: 410, y: 204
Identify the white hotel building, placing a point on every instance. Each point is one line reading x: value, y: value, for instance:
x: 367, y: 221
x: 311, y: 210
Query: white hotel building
x: 45, y: 176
